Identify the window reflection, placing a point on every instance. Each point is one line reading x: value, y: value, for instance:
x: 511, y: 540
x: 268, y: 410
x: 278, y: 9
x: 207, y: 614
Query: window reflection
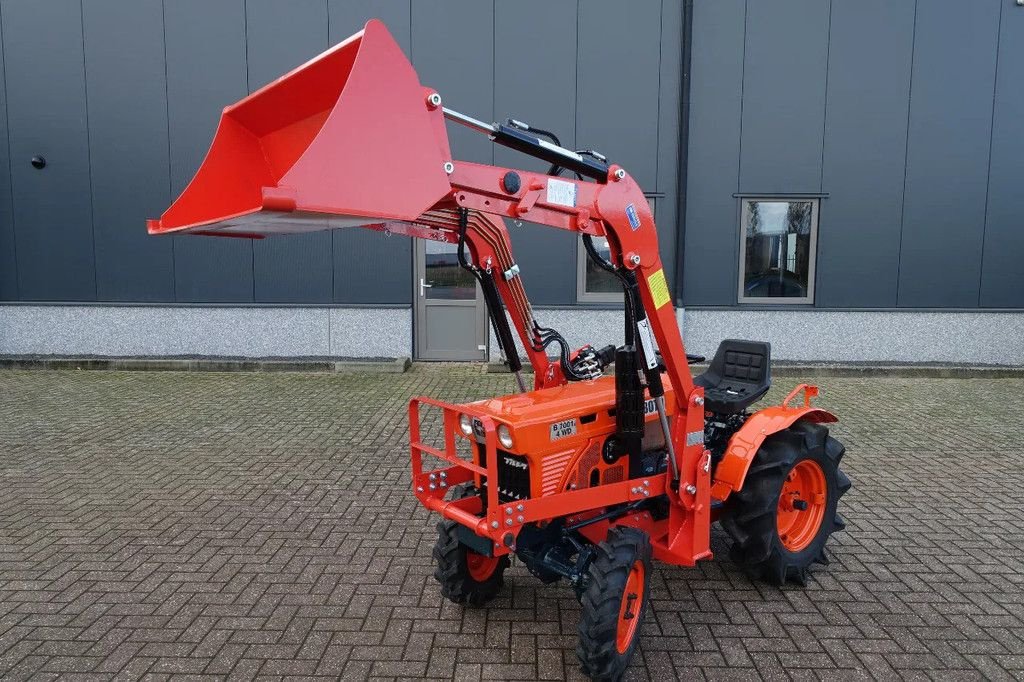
x: 445, y: 278
x: 777, y: 249
x: 600, y: 281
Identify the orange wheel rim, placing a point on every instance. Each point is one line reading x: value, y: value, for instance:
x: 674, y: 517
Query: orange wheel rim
x: 801, y: 505
x: 480, y: 567
x: 629, y: 610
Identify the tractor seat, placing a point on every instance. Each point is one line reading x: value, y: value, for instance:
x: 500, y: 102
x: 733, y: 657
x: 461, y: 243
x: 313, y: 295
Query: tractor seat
x: 739, y: 374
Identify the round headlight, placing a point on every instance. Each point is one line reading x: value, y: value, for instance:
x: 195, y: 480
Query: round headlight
x: 504, y: 436
x: 466, y: 424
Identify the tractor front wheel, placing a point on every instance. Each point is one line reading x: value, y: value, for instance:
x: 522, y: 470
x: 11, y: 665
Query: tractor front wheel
x: 614, y: 603
x: 466, y: 576
x: 781, y: 519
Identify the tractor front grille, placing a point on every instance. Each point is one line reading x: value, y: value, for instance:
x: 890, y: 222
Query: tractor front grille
x: 513, y: 475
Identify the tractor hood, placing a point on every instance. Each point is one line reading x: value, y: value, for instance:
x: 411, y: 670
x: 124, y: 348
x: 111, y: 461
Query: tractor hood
x: 349, y: 138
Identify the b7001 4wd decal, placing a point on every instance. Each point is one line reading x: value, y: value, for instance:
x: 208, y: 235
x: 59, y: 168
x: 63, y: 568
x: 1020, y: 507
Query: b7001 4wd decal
x: 563, y: 428
x: 567, y: 427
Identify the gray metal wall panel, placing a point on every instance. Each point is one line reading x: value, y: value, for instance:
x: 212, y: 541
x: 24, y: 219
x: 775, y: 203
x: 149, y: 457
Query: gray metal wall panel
x: 617, y: 86
x: 453, y: 52
x: 368, y: 266
x: 1002, y: 272
x: 279, y: 37
x: 711, y: 249
x: 538, y: 85
x: 8, y: 259
x: 784, y: 96
x: 52, y: 209
x: 205, y: 72
x: 349, y: 16
x: 948, y: 153
x: 865, y: 153
x: 669, y: 113
x: 128, y: 148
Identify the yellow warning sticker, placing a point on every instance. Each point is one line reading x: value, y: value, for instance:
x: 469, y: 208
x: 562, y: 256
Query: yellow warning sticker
x: 659, y: 288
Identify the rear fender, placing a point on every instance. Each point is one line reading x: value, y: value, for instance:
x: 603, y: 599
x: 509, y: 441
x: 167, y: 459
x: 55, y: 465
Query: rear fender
x: 744, y: 444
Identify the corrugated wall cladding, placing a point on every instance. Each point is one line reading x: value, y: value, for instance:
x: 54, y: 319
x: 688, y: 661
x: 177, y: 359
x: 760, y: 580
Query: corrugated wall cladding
x: 905, y: 115
x: 122, y: 98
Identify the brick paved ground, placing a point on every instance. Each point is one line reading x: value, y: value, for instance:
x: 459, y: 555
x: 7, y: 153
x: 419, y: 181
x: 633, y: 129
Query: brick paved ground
x: 260, y: 524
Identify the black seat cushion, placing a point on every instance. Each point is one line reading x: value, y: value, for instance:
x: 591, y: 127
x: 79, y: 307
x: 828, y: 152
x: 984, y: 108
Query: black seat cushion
x: 739, y: 374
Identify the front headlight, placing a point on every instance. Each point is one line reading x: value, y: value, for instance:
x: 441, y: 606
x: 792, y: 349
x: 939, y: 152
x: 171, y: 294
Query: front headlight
x: 466, y: 424
x: 505, y: 436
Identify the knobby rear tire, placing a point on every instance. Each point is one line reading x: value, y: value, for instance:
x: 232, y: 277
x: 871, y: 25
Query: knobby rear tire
x: 750, y: 516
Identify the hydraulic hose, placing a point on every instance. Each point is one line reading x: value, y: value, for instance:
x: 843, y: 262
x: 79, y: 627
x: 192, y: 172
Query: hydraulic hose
x: 495, y: 310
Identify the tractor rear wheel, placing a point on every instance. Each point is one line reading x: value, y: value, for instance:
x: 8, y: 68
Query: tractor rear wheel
x: 782, y: 518
x: 465, y: 575
x: 614, y: 603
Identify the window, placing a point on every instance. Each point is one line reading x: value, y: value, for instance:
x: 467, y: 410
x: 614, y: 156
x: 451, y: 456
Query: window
x: 594, y: 285
x: 777, y: 246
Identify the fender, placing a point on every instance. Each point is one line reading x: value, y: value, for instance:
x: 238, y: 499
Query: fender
x: 744, y: 444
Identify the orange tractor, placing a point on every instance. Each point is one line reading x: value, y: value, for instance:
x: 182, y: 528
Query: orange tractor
x: 586, y: 476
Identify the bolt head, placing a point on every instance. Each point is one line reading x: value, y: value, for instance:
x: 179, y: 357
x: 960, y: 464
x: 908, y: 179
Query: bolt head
x: 433, y: 100
x: 433, y: 486
x: 444, y: 474
x: 519, y: 507
x: 494, y: 524
x: 419, y: 488
x: 508, y: 522
x: 619, y: 174
x: 449, y: 167
x: 646, y: 483
x: 508, y: 510
x: 634, y: 259
x: 519, y: 519
x: 444, y: 484
x: 699, y: 400
x: 692, y: 489
x: 433, y: 477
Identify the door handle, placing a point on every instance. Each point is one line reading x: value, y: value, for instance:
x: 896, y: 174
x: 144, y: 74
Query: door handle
x: 423, y: 287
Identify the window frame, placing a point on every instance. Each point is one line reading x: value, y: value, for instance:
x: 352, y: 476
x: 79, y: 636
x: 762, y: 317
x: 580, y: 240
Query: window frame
x: 812, y: 251
x: 584, y: 296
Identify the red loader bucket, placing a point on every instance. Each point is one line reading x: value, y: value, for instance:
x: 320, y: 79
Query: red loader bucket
x: 348, y: 136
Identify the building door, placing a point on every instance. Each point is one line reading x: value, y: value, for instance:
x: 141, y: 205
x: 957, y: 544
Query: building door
x: 451, y: 317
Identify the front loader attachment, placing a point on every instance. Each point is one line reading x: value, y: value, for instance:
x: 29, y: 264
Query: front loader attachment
x: 349, y: 138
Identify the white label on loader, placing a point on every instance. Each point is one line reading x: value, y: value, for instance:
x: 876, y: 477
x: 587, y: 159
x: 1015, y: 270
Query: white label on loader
x: 647, y: 342
x: 563, y: 428
x: 561, y: 193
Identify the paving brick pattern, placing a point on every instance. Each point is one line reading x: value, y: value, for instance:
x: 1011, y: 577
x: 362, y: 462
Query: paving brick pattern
x: 155, y: 524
